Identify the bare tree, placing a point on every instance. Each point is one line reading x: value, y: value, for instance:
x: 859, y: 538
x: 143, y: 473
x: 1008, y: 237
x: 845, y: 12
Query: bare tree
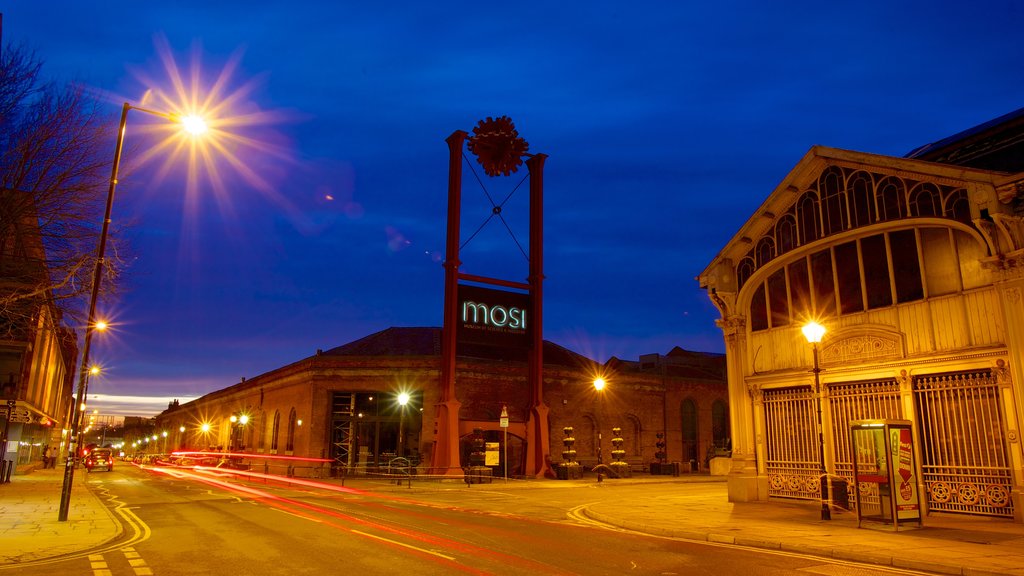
x: 54, y: 165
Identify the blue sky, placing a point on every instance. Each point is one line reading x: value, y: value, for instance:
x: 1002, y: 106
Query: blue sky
x: 666, y: 125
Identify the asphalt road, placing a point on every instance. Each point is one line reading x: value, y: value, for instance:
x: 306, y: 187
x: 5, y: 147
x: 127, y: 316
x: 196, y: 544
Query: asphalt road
x: 186, y: 523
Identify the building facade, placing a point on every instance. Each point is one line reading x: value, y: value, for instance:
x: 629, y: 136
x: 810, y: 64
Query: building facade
x: 37, y: 350
x: 915, y: 266
x: 343, y: 405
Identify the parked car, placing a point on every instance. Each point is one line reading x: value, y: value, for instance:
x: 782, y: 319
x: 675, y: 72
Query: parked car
x: 99, y: 458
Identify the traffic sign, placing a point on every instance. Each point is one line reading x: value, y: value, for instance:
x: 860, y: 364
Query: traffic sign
x: 503, y: 421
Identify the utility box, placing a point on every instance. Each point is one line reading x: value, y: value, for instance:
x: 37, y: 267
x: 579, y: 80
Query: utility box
x: 885, y: 472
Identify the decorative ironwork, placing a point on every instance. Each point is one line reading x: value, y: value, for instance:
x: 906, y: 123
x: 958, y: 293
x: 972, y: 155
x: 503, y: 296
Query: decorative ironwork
x: 792, y: 458
x: 850, y: 401
x: 497, y: 146
x: 964, y: 458
x: 963, y: 438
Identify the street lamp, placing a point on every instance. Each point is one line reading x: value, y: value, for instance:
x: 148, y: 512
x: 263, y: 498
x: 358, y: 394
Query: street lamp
x: 403, y: 399
x: 194, y: 127
x: 599, y: 384
x: 814, y: 332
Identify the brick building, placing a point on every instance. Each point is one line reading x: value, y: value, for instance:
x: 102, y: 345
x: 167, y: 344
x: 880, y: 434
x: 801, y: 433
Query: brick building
x: 342, y: 404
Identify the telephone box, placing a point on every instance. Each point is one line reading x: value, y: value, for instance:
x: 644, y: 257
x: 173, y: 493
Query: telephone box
x: 885, y: 472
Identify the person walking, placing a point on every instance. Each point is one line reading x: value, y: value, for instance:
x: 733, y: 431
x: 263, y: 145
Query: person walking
x: 46, y: 457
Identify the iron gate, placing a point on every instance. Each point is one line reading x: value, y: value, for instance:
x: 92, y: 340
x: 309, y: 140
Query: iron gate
x: 858, y: 401
x: 792, y: 461
x: 962, y: 437
x: 964, y: 458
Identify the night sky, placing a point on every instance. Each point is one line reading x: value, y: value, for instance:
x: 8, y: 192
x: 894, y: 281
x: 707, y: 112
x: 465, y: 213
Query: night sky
x: 666, y: 125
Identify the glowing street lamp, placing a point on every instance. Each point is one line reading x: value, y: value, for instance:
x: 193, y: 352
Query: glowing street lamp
x: 91, y: 323
x: 599, y: 386
x: 403, y: 400
x: 814, y: 333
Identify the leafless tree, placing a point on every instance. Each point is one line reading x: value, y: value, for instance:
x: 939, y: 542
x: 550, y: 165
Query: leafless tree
x: 55, y: 146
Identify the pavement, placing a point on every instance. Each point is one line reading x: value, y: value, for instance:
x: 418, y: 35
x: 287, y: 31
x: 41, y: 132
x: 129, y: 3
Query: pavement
x: 693, y: 507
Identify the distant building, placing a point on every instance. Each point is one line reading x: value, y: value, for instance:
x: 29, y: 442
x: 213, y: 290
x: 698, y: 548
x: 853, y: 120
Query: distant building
x: 342, y: 404
x: 915, y: 266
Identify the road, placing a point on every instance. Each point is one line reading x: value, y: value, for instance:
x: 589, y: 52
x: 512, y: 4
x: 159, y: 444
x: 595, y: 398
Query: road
x: 180, y: 522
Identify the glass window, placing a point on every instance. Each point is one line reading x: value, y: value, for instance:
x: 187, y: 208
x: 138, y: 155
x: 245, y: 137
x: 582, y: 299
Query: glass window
x: 273, y: 431
x: 906, y: 268
x: 823, y: 287
x: 891, y: 203
x: 810, y: 220
x: 941, y: 269
x: 765, y: 251
x: 758, y: 310
x: 785, y: 234
x: 925, y: 200
x: 289, y: 444
x: 958, y: 207
x: 851, y: 296
x: 744, y: 270
x: 876, y: 271
x: 778, y: 298
x: 862, y: 200
x: 800, y: 290
x: 833, y: 198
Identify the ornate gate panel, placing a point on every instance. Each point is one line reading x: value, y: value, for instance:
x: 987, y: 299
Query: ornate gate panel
x: 858, y: 401
x: 792, y: 443
x: 963, y: 443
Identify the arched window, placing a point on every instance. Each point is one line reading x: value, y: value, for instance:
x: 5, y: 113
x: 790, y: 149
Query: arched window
x: 892, y: 203
x: 289, y: 445
x: 833, y: 200
x: 861, y: 191
x: 274, y: 430
x: 744, y: 270
x: 925, y: 200
x: 808, y: 217
x: 720, y: 424
x: 957, y: 207
x: 765, y: 251
x: 785, y: 234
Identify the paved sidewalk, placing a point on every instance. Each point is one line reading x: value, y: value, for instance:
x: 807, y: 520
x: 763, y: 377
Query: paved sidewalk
x: 29, y: 529
x: 692, y: 507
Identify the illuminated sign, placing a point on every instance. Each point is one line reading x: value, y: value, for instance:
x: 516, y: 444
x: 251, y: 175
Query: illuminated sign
x: 493, y: 317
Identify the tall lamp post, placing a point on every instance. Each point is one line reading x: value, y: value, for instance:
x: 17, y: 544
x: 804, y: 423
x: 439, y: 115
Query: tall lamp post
x: 403, y: 400
x: 814, y: 332
x: 599, y: 384
x: 193, y: 125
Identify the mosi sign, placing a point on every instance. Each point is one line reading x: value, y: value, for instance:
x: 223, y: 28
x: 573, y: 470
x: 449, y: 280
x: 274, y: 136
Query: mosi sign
x: 494, y: 317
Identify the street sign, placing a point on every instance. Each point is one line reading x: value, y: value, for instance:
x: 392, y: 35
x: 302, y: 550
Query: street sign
x: 16, y: 414
x: 503, y: 421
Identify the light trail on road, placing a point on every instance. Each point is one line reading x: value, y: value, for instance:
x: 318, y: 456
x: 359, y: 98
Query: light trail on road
x: 428, y: 544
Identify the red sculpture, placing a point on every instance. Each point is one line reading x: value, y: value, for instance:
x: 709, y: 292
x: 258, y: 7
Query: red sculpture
x: 497, y: 146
